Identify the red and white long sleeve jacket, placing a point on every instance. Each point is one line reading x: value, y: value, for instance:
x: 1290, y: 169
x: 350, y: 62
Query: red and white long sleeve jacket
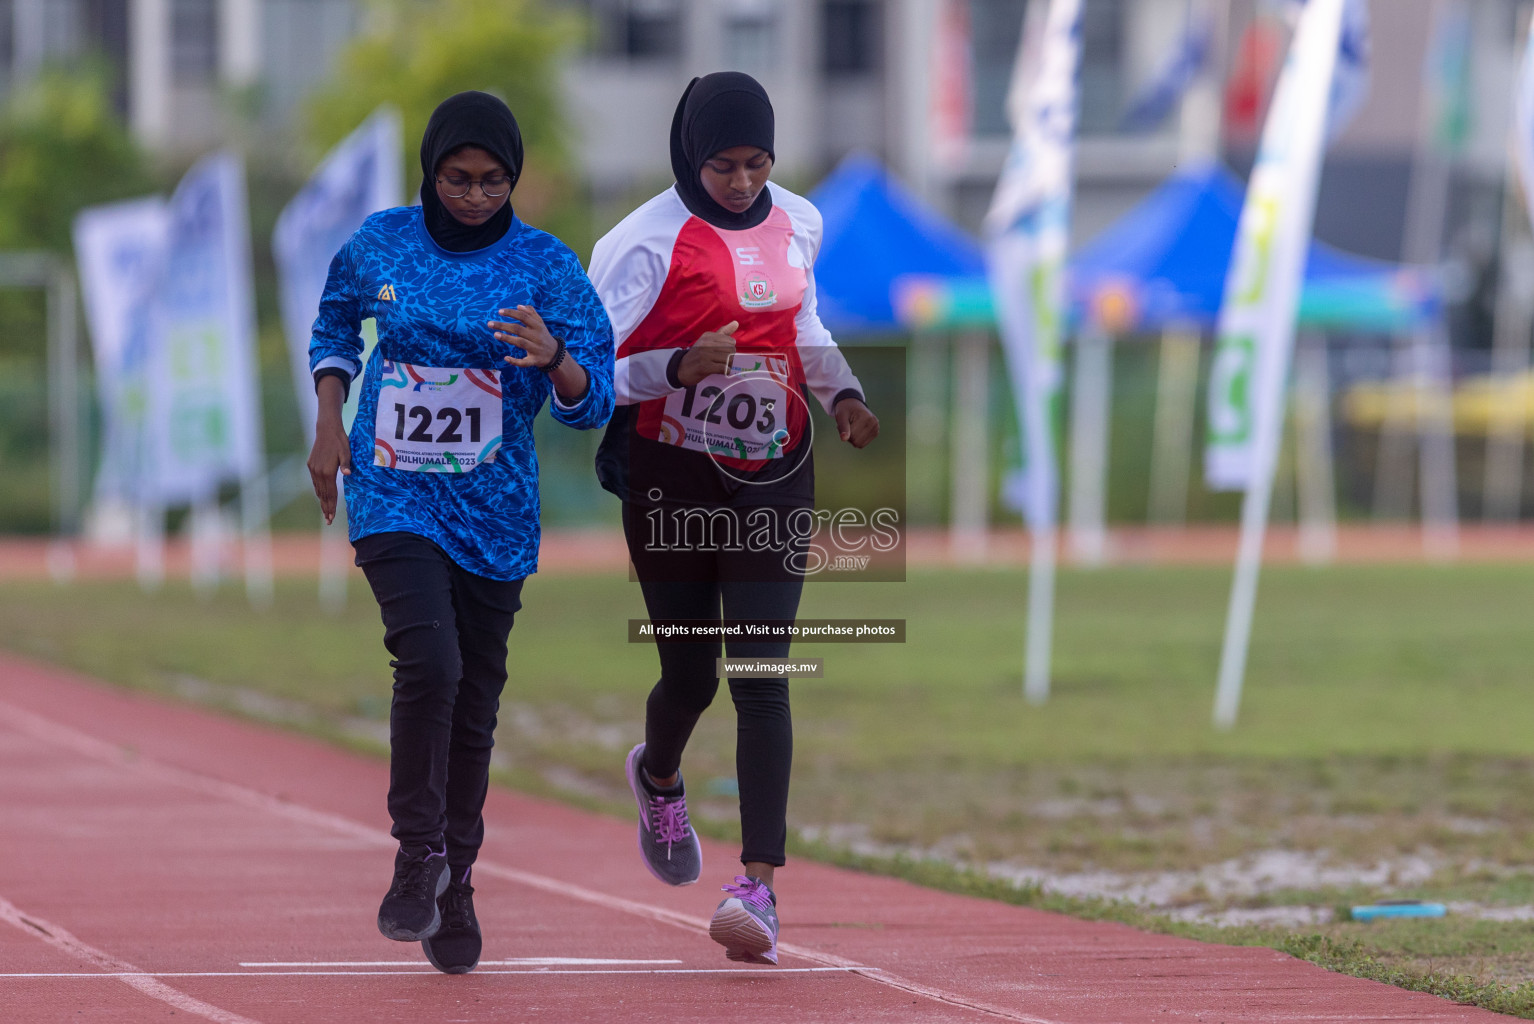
x: 667, y: 277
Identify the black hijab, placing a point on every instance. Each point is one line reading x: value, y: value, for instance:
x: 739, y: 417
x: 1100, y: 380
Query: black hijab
x: 716, y: 112
x: 468, y: 119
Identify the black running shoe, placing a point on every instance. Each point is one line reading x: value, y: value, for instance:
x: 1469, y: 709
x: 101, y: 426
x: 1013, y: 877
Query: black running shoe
x: 409, y: 912
x: 455, y: 948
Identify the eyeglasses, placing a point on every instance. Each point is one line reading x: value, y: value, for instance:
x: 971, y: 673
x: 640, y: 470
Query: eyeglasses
x: 491, y: 187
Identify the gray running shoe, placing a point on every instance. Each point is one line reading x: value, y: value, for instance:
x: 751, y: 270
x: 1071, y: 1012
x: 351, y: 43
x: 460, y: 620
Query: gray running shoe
x: 667, y: 842
x: 746, y: 923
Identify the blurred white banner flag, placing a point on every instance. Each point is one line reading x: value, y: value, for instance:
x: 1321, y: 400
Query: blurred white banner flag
x: 1159, y: 96
x: 1262, y: 288
x: 360, y: 176
x: 205, y: 413
x: 1355, y: 50
x: 1350, y: 78
x: 1523, y: 122
x: 1027, y: 236
x: 120, y: 251
x: 1262, y: 293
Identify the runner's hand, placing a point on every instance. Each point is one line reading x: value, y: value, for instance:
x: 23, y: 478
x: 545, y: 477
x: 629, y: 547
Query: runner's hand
x: 709, y: 355
x: 332, y: 452
x: 856, y: 423
x: 525, y: 330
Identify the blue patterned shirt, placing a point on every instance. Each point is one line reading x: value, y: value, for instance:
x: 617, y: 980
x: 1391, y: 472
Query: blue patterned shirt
x: 431, y: 307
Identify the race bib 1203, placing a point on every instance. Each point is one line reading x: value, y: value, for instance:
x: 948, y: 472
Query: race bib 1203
x: 434, y: 419
x: 743, y: 414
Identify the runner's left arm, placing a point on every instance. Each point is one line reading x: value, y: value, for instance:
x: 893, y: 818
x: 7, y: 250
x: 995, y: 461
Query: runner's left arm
x: 575, y: 314
x: 829, y: 378
x: 826, y: 372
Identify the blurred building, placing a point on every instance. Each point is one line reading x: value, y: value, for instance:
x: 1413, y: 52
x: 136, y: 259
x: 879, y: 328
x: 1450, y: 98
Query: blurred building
x: 850, y: 75
x: 860, y: 74
x: 181, y: 67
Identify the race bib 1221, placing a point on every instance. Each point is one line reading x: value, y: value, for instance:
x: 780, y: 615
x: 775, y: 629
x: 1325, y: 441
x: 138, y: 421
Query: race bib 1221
x: 434, y: 419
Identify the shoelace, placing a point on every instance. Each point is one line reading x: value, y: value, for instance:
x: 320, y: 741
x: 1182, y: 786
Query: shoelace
x: 456, y: 915
x: 668, y: 817
x: 749, y: 890
x: 413, y: 880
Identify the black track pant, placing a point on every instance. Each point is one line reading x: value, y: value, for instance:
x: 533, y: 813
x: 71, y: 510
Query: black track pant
x: 447, y: 630
x: 699, y: 584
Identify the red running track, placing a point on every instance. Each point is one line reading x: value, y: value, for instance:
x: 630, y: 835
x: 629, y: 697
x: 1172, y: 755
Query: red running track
x: 159, y: 863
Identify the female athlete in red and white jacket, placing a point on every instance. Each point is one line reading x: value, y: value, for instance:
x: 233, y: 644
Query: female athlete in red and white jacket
x: 711, y: 292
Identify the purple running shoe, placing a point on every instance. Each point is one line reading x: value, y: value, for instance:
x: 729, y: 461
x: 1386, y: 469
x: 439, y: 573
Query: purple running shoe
x: 746, y: 923
x: 667, y: 842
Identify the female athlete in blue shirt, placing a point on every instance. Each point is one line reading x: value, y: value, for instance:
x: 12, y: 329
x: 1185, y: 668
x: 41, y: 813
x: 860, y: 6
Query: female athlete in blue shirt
x: 481, y: 319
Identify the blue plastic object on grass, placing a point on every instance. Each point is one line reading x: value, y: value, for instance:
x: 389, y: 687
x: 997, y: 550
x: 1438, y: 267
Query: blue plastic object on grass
x: 724, y: 785
x: 1398, y: 908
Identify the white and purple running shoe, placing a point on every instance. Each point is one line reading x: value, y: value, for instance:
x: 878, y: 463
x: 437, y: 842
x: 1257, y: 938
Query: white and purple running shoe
x: 667, y: 841
x: 746, y: 923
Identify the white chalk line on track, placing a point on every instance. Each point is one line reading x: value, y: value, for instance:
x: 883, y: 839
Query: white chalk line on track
x: 47, y: 730
x: 426, y: 969
x: 142, y: 981
x: 521, y: 961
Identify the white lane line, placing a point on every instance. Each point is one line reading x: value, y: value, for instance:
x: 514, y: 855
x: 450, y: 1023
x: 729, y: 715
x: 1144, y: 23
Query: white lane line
x: 123, y: 971
x: 62, y: 735
x: 428, y: 969
x: 694, y: 924
x: 522, y: 961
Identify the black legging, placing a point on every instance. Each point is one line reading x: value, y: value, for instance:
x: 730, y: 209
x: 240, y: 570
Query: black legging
x: 447, y: 630
x: 749, y: 585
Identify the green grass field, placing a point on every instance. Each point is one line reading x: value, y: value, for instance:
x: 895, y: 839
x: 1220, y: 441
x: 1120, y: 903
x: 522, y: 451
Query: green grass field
x: 1384, y: 746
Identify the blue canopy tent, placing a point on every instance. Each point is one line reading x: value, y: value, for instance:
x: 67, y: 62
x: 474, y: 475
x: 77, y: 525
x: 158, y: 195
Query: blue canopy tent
x: 1165, y: 261
x: 875, y: 233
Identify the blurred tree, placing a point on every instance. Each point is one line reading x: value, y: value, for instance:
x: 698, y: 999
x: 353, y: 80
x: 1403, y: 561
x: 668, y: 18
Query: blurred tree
x: 62, y: 148
x: 419, y: 52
